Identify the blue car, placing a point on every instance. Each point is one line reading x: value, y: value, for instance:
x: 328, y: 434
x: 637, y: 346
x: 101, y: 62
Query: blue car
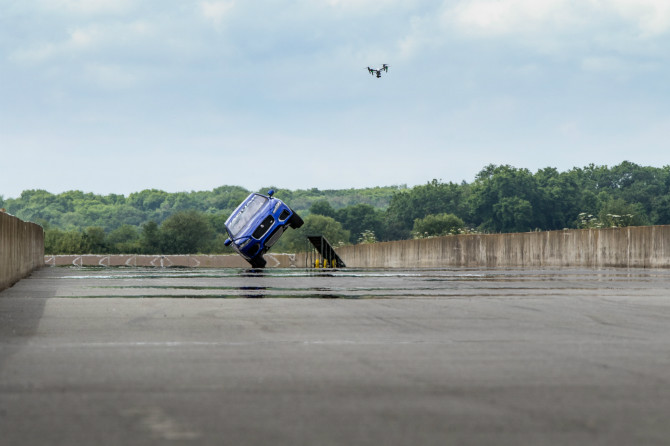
x: 257, y: 224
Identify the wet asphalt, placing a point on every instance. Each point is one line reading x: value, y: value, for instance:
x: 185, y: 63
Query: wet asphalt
x: 129, y: 356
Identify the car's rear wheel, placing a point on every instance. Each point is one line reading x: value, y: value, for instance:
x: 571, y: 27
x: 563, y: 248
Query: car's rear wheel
x: 295, y: 221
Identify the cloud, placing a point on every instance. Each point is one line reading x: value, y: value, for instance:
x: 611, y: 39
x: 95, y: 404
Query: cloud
x: 481, y: 78
x: 87, y: 7
x: 602, y: 64
x: 215, y: 11
x: 512, y: 16
x: 508, y: 17
x: 86, y: 39
x: 78, y: 40
x: 111, y: 76
x: 651, y: 17
x: 569, y: 29
x: 363, y: 5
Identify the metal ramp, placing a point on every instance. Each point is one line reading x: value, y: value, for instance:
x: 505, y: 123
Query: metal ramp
x: 325, y: 254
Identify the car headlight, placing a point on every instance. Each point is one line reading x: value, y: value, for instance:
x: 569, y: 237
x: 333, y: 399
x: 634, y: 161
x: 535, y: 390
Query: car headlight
x: 276, y: 207
x: 245, y: 243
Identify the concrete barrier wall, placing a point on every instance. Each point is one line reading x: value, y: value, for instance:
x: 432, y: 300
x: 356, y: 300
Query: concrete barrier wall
x: 171, y: 261
x: 21, y: 249
x: 635, y: 247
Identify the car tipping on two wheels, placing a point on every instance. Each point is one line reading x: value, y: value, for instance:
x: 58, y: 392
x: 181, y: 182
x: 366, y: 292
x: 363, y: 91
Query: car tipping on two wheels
x: 256, y: 224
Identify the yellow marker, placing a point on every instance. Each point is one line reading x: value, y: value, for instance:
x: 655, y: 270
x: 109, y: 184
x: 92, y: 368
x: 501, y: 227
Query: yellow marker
x: 316, y: 263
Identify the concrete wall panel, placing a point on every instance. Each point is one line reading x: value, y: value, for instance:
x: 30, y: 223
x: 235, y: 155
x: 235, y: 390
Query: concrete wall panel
x: 21, y: 249
x: 173, y: 261
x: 634, y: 247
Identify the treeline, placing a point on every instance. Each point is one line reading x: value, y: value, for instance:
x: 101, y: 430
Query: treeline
x: 500, y: 199
x: 154, y: 221
x: 184, y: 232
x: 78, y: 210
x: 508, y: 199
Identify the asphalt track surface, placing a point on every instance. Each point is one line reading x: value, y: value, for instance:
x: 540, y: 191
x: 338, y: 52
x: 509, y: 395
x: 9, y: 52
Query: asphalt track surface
x: 336, y: 357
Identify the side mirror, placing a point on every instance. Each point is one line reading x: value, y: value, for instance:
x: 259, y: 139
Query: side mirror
x: 271, y: 192
x: 227, y: 242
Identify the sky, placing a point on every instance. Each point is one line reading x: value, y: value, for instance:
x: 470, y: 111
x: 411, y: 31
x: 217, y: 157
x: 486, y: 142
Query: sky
x: 117, y: 96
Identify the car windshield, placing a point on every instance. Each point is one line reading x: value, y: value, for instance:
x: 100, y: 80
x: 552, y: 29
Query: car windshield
x: 244, y: 214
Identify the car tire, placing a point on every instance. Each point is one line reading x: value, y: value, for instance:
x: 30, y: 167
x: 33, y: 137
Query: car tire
x: 295, y: 221
x: 258, y: 262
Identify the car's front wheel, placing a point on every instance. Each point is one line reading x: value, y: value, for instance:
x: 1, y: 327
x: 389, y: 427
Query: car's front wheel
x: 258, y: 262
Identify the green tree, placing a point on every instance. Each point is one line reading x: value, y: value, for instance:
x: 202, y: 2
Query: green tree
x: 124, y: 240
x: 93, y: 241
x: 148, y: 199
x: 432, y: 198
x: 150, y: 238
x: 501, y: 198
x: 561, y: 198
x: 437, y: 225
x: 661, y: 210
x: 186, y: 232
x: 322, y: 207
x: 616, y: 213
x: 218, y: 222
x: 399, y: 216
x: 295, y: 240
x: 513, y: 214
x: 226, y: 197
x: 57, y: 241
x: 359, y: 218
x: 641, y: 185
x: 52, y: 240
x: 504, y: 199
x: 367, y: 237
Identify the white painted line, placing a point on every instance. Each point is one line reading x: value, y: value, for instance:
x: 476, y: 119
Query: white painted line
x: 224, y: 344
x: 270, y: 256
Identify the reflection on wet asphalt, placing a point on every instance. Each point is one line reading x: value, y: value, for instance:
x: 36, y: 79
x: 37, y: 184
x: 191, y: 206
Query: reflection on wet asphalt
x: 353, y: 283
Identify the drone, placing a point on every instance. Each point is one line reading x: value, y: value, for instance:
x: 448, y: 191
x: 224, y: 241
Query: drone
x: 378, y: 72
